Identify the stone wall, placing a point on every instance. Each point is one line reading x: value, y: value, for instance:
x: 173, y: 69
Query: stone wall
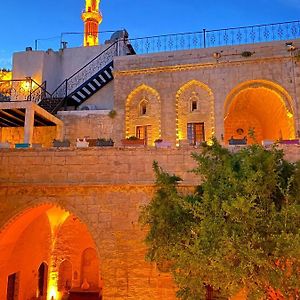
x: 93, y: 124
x: 271, y: 67
x: 41, y: 135
x: 104, y: 189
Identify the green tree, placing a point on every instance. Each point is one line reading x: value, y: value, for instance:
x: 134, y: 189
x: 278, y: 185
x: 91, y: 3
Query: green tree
x: 239, y: 229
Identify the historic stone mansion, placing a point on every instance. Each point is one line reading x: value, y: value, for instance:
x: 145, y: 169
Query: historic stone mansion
x: 73, y: 178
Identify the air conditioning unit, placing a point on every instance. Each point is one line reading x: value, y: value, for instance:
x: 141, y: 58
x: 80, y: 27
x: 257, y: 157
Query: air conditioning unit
x: 88, y: 107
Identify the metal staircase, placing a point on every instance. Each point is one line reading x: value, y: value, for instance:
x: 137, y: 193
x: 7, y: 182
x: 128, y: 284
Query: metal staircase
x: 84, y: 83
x: 92, y: 85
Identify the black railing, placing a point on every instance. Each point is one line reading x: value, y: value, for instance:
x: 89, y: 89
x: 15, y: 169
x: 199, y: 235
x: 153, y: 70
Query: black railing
x: 26, y: 89
x: 86, y: 72
x: 215, y: 38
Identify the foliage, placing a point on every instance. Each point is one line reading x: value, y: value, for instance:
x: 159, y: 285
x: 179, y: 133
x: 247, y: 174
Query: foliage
x: 132, y: 138
x: 158, y: 141
x: 239, y: 229
x: 112, y: 114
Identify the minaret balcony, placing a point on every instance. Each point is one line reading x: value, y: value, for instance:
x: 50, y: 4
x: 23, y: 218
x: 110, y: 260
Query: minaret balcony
x: 94, y: 16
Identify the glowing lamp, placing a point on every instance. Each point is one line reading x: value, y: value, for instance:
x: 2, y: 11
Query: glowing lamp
x: 210, y: 142
x: 52, y: 293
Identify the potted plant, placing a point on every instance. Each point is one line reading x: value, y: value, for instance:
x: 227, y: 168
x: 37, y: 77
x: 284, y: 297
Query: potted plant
x: 82, y: 143
x: 159, y: 143
x: 104, y: 142
x: 63, y: 143
x: 112, y: 114
x: 22, y: 145
x: 133, y: 141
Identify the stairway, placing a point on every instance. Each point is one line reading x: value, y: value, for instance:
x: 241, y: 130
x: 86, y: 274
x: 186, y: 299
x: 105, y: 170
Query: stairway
x: 91, y: 86
x: 84, y: 83
x: 52, y: 105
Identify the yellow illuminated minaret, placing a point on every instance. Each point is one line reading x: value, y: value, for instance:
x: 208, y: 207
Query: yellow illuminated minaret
x: 92, y: 18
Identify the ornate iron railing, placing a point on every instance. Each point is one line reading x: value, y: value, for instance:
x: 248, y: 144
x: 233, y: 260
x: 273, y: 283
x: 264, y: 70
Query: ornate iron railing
x: 86, y: 72
x: 214, y: 38
x: 22, y: 90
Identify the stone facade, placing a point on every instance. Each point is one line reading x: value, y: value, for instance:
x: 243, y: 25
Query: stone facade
x: 270, y: 74
x: 85, y: 202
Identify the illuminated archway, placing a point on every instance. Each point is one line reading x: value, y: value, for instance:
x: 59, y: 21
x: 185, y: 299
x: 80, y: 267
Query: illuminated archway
x: 143, y: 113
x: 45, y: 235
x: 194, y: 106
x: 260, y: 106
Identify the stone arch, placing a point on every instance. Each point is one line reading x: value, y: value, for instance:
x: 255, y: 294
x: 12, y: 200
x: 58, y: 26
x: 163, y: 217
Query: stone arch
x: 191, y: 93
x: 262, y: 105
x: 150, y: 122
x: 49, y: 219
x: 24, y: 208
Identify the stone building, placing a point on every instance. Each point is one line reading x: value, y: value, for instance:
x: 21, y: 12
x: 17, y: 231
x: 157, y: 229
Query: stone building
x: 70, y: 214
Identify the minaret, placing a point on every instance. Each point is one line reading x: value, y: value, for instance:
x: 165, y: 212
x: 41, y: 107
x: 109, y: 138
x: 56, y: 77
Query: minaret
x: 92, y: 18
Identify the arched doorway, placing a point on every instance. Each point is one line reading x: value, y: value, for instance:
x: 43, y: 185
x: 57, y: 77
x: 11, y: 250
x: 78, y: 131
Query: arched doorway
x: 261, y: 107
x: 41, y: 253
x: 42, y: 280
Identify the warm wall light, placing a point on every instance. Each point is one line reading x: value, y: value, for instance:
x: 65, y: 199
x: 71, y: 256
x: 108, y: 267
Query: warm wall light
x: 217, y: 55
x: 290, y: 46
x: 52, y: 293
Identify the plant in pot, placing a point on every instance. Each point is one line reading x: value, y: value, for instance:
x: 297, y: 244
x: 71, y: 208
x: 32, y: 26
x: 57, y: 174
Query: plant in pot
x: 102, y: 142
x: 159, y: 143
x: 133, y: 141
x: 63, y: 143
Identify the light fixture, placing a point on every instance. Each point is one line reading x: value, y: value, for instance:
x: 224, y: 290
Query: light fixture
x: 217, y: 55
x: 290, y: 46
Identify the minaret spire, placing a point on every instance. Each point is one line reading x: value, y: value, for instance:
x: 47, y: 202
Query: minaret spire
x: 92, y: 18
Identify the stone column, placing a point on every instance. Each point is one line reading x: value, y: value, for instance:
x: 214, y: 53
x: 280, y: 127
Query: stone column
x: 59, y: 132
x: 29, y: 125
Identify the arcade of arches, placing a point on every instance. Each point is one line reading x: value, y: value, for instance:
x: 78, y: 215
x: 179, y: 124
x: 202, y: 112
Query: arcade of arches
x: 259, y: 106
x: 44, y: 253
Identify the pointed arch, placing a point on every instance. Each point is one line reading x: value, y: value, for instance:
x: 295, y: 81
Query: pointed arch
x: 64, y: 276
x: 145, y: 125
x: 194, y: 105
x: 46, y: 229
x: 262, y: 105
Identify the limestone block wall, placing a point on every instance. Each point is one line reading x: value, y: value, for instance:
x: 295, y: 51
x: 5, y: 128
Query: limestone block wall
x: 41, y: 135
x: 270, y: 67
x: 92, y: 124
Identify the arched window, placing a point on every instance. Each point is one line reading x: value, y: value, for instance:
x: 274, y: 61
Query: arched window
x: 194, y: 102
x: 143, y: 107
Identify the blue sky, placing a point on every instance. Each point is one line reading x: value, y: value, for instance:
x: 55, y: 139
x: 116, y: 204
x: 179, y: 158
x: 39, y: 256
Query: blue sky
x: 25, y: 21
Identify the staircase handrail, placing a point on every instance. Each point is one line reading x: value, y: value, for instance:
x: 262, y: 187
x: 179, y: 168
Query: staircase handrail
x: 39, y: 93
x: 70, y: 84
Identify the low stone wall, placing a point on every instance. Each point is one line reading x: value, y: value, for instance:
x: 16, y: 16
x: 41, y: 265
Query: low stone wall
x: 100, y: 166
